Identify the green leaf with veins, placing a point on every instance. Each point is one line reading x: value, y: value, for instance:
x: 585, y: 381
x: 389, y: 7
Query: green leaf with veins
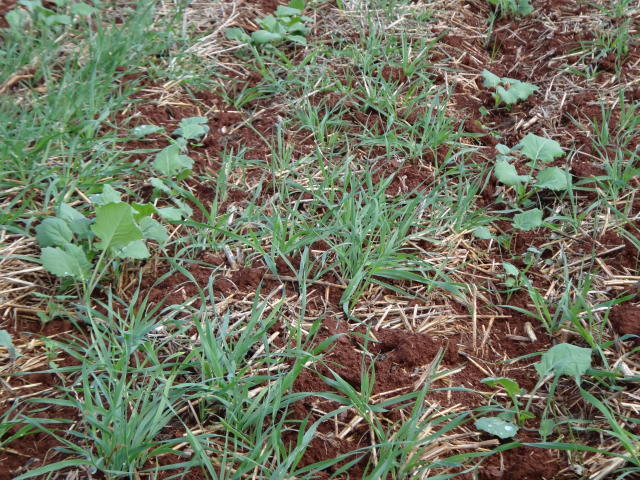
x: 507, y: 174
x: 540, y: 148
x: 170, y: 161
x: 496, y: 426
x: 70, y: 262
x: 528, y: 220
x: 115, y: 226
x: 108, y: 195
x: 565, y: 359
x: 53, y: 231
x: 553, y: 178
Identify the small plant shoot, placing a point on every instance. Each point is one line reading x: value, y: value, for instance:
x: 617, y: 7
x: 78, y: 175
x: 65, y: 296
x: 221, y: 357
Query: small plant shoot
x: 287, y: 25
x: 507, y: 90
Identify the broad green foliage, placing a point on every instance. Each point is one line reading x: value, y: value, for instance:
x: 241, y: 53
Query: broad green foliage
x: 507, y: 90
x: 170, y: 161
x: 539, y: 148
x: 536, y: 149
x: 565, y: 359
x: 71, y: 241
x: 496, y: 426
x: 512, y: 7
x: 288, y: 24
x: 528, y: 220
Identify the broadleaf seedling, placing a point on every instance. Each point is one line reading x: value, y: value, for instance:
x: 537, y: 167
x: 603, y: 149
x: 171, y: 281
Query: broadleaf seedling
x: 537, y: 149
x: 71, y: 241
x: 287, y: 25
x: 507, y: 90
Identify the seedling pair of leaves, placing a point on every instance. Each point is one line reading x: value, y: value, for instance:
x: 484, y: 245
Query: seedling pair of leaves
x: 560, y: 360
x: 70, y: 241
x: 191, y: 129
x: 287, y: 25
x: 507, y: 90
x: 538, y: 150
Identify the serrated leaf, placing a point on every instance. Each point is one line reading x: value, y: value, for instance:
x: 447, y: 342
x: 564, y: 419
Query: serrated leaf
x: 170, y: 161
x: 6, y: 342
x: 496, y: 426
x: 540, y: 148
x: 70, y: 262
x: 565, y: 359
x: 144, y: 130
x: 136, y: 250
x: 483, y: 233
x: 115, y: 226
x: 553, y: 178
x: 507, y: 173
x: 238, y: 34
x: 53, y: 231
x: 78, y: 223
x: 528, y: 220
x: 263, y: 36
x: 82, y: 9
x: 153, y: 230
x: 491, y: 80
